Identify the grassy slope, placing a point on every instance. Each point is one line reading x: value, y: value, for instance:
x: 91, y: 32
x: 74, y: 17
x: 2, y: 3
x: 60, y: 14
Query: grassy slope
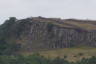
x: 71, y: 53
x: 87, y: 26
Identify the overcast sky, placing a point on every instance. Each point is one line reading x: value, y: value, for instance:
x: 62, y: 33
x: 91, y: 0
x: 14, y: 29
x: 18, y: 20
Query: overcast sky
x: 80, y: 9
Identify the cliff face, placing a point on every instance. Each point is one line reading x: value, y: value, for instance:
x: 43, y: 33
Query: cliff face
x: 50, y: 33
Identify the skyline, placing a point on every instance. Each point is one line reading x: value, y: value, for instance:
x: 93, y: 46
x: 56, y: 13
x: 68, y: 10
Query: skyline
x: 79, y: 9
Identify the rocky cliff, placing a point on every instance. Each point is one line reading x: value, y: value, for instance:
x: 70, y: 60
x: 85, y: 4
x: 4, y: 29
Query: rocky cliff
x: 39, y: 33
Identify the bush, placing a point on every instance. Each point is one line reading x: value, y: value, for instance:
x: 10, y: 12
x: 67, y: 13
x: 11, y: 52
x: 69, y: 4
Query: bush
x: 37, y: 59
x: 80, y: 54
x: 65, y: 56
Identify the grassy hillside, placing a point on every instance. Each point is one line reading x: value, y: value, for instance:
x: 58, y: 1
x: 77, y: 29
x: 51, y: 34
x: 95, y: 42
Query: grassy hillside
x: 84, y: 25
x: 70, y: 54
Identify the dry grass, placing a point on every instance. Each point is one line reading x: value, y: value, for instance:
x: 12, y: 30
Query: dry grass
x: 87, y: 26
x: 73, y: 54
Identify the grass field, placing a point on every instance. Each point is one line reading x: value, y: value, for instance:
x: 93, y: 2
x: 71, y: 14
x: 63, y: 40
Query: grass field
x: 70, y: 54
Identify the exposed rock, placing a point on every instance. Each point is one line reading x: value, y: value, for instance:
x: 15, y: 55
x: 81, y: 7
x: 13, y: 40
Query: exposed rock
x: 38, y: 33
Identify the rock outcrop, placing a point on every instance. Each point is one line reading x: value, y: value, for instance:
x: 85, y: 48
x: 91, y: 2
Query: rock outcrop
x: 38, y: 33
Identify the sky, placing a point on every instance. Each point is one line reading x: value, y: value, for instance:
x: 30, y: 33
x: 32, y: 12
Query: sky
x: 79, y: 9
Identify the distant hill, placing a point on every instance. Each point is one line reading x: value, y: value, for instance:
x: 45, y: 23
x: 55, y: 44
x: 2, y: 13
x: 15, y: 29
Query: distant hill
x: 39, y: 33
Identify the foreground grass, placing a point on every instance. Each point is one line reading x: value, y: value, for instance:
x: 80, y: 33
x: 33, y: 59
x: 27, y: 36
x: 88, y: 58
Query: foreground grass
x: 70, y: 54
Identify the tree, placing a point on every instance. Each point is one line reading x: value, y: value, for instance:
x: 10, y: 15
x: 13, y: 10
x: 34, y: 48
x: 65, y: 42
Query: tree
x: 3, y: 46
x: 6, y: 28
